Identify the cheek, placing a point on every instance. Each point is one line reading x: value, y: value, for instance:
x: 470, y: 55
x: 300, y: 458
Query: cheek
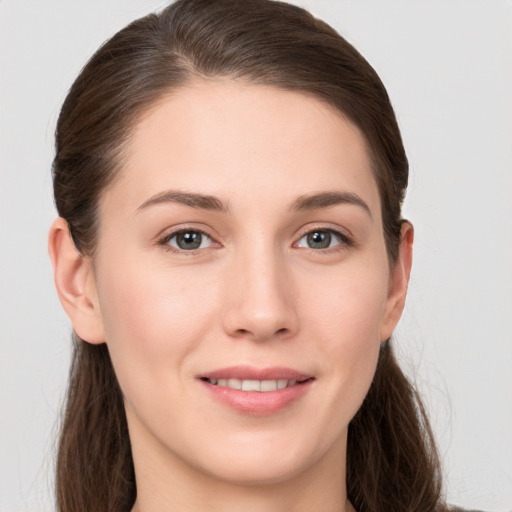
x: 152, y: 316
x: 349, y: 304
x: 346, y: 318
x: 353, y: 339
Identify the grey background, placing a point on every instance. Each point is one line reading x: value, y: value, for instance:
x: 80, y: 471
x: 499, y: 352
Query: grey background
x: 448, y: 68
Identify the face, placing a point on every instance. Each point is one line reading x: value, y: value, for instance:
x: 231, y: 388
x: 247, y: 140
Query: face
x: 242, y: 282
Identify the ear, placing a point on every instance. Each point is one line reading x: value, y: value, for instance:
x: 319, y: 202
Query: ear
x: 398, y: 282
x: 76, y: 284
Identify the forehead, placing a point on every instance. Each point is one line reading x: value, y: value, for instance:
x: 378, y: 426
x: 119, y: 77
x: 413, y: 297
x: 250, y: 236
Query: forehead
x: 240, y: 141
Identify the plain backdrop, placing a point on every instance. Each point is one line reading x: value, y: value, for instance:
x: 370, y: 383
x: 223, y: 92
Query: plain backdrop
x: 448, y: 69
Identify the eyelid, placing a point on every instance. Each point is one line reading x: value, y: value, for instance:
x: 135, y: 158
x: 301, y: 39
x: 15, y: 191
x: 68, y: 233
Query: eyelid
x: 346, y: 240
x: 166, y: 235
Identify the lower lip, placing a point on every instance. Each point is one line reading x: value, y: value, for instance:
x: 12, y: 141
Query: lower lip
x: 258, y: 403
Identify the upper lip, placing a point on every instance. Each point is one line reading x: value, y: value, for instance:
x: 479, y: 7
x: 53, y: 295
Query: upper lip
x: 252, y: 373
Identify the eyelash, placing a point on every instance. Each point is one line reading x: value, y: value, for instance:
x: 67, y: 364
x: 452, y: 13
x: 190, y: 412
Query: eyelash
x: 344, y: 241
x: 164, y: 242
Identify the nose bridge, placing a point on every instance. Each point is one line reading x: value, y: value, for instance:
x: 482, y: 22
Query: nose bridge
x: 261, y: 303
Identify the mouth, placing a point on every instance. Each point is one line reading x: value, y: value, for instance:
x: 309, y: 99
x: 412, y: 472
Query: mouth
x: 254, y: 391
x: 261, y: 386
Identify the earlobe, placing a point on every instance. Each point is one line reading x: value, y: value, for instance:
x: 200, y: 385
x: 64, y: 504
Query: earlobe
x: 75, y: 283
x: 399, y: 281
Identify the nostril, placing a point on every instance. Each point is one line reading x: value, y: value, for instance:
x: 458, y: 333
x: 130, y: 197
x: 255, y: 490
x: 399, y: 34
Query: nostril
x: 260, y: 335
x: 263, y: 322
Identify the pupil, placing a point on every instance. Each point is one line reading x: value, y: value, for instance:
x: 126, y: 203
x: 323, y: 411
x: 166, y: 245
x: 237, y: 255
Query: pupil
x: 319, y: 240
x: 189, y: 240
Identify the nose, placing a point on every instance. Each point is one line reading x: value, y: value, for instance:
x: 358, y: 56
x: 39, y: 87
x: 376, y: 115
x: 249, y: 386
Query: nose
x: 261, y: 298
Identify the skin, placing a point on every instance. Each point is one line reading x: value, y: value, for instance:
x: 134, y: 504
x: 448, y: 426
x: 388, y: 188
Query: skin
x: 254, y: 294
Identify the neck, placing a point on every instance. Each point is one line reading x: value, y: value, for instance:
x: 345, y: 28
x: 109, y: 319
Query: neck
x: 347, y: 508
x: 167, y: 482
x: 248, y: 503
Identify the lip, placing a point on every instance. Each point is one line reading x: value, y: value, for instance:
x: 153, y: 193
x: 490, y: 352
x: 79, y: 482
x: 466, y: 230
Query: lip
x: 252, y: 373
x: 255, y: 402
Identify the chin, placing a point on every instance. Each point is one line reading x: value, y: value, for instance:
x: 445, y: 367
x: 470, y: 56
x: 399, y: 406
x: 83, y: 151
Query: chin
x: 266, y: 459
x: 257, y: 471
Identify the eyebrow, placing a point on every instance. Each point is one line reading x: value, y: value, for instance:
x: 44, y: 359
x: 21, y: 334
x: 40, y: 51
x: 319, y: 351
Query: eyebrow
x: 194, y: 200
x: 306, y: 202
x: 325, y: 199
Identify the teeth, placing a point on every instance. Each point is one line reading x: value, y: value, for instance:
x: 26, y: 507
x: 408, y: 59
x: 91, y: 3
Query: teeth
x: 282, y: 383
x: 268, y: 385
x: 253, y: 385
x: 234, y: 384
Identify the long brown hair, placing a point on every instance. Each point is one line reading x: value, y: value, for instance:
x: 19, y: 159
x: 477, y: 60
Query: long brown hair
x: 392, y: 461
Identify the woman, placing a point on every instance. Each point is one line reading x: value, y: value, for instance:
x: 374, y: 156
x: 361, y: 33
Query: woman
x: 231, y: 253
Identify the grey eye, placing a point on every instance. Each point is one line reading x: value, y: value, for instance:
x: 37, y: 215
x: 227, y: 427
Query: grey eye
x: 320, y: 239
x: 190, y: 240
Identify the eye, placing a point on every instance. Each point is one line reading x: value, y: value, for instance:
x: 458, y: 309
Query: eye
x: 188, y: 240
x: 322, y: 239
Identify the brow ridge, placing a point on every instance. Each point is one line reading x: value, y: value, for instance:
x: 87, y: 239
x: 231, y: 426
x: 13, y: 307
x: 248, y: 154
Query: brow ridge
x: 192, y: 199
x: 313, y: 201
x: 325, y: 199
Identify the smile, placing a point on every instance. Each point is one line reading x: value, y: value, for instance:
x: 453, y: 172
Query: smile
x: 255, y: 391
x: 261, y: 386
